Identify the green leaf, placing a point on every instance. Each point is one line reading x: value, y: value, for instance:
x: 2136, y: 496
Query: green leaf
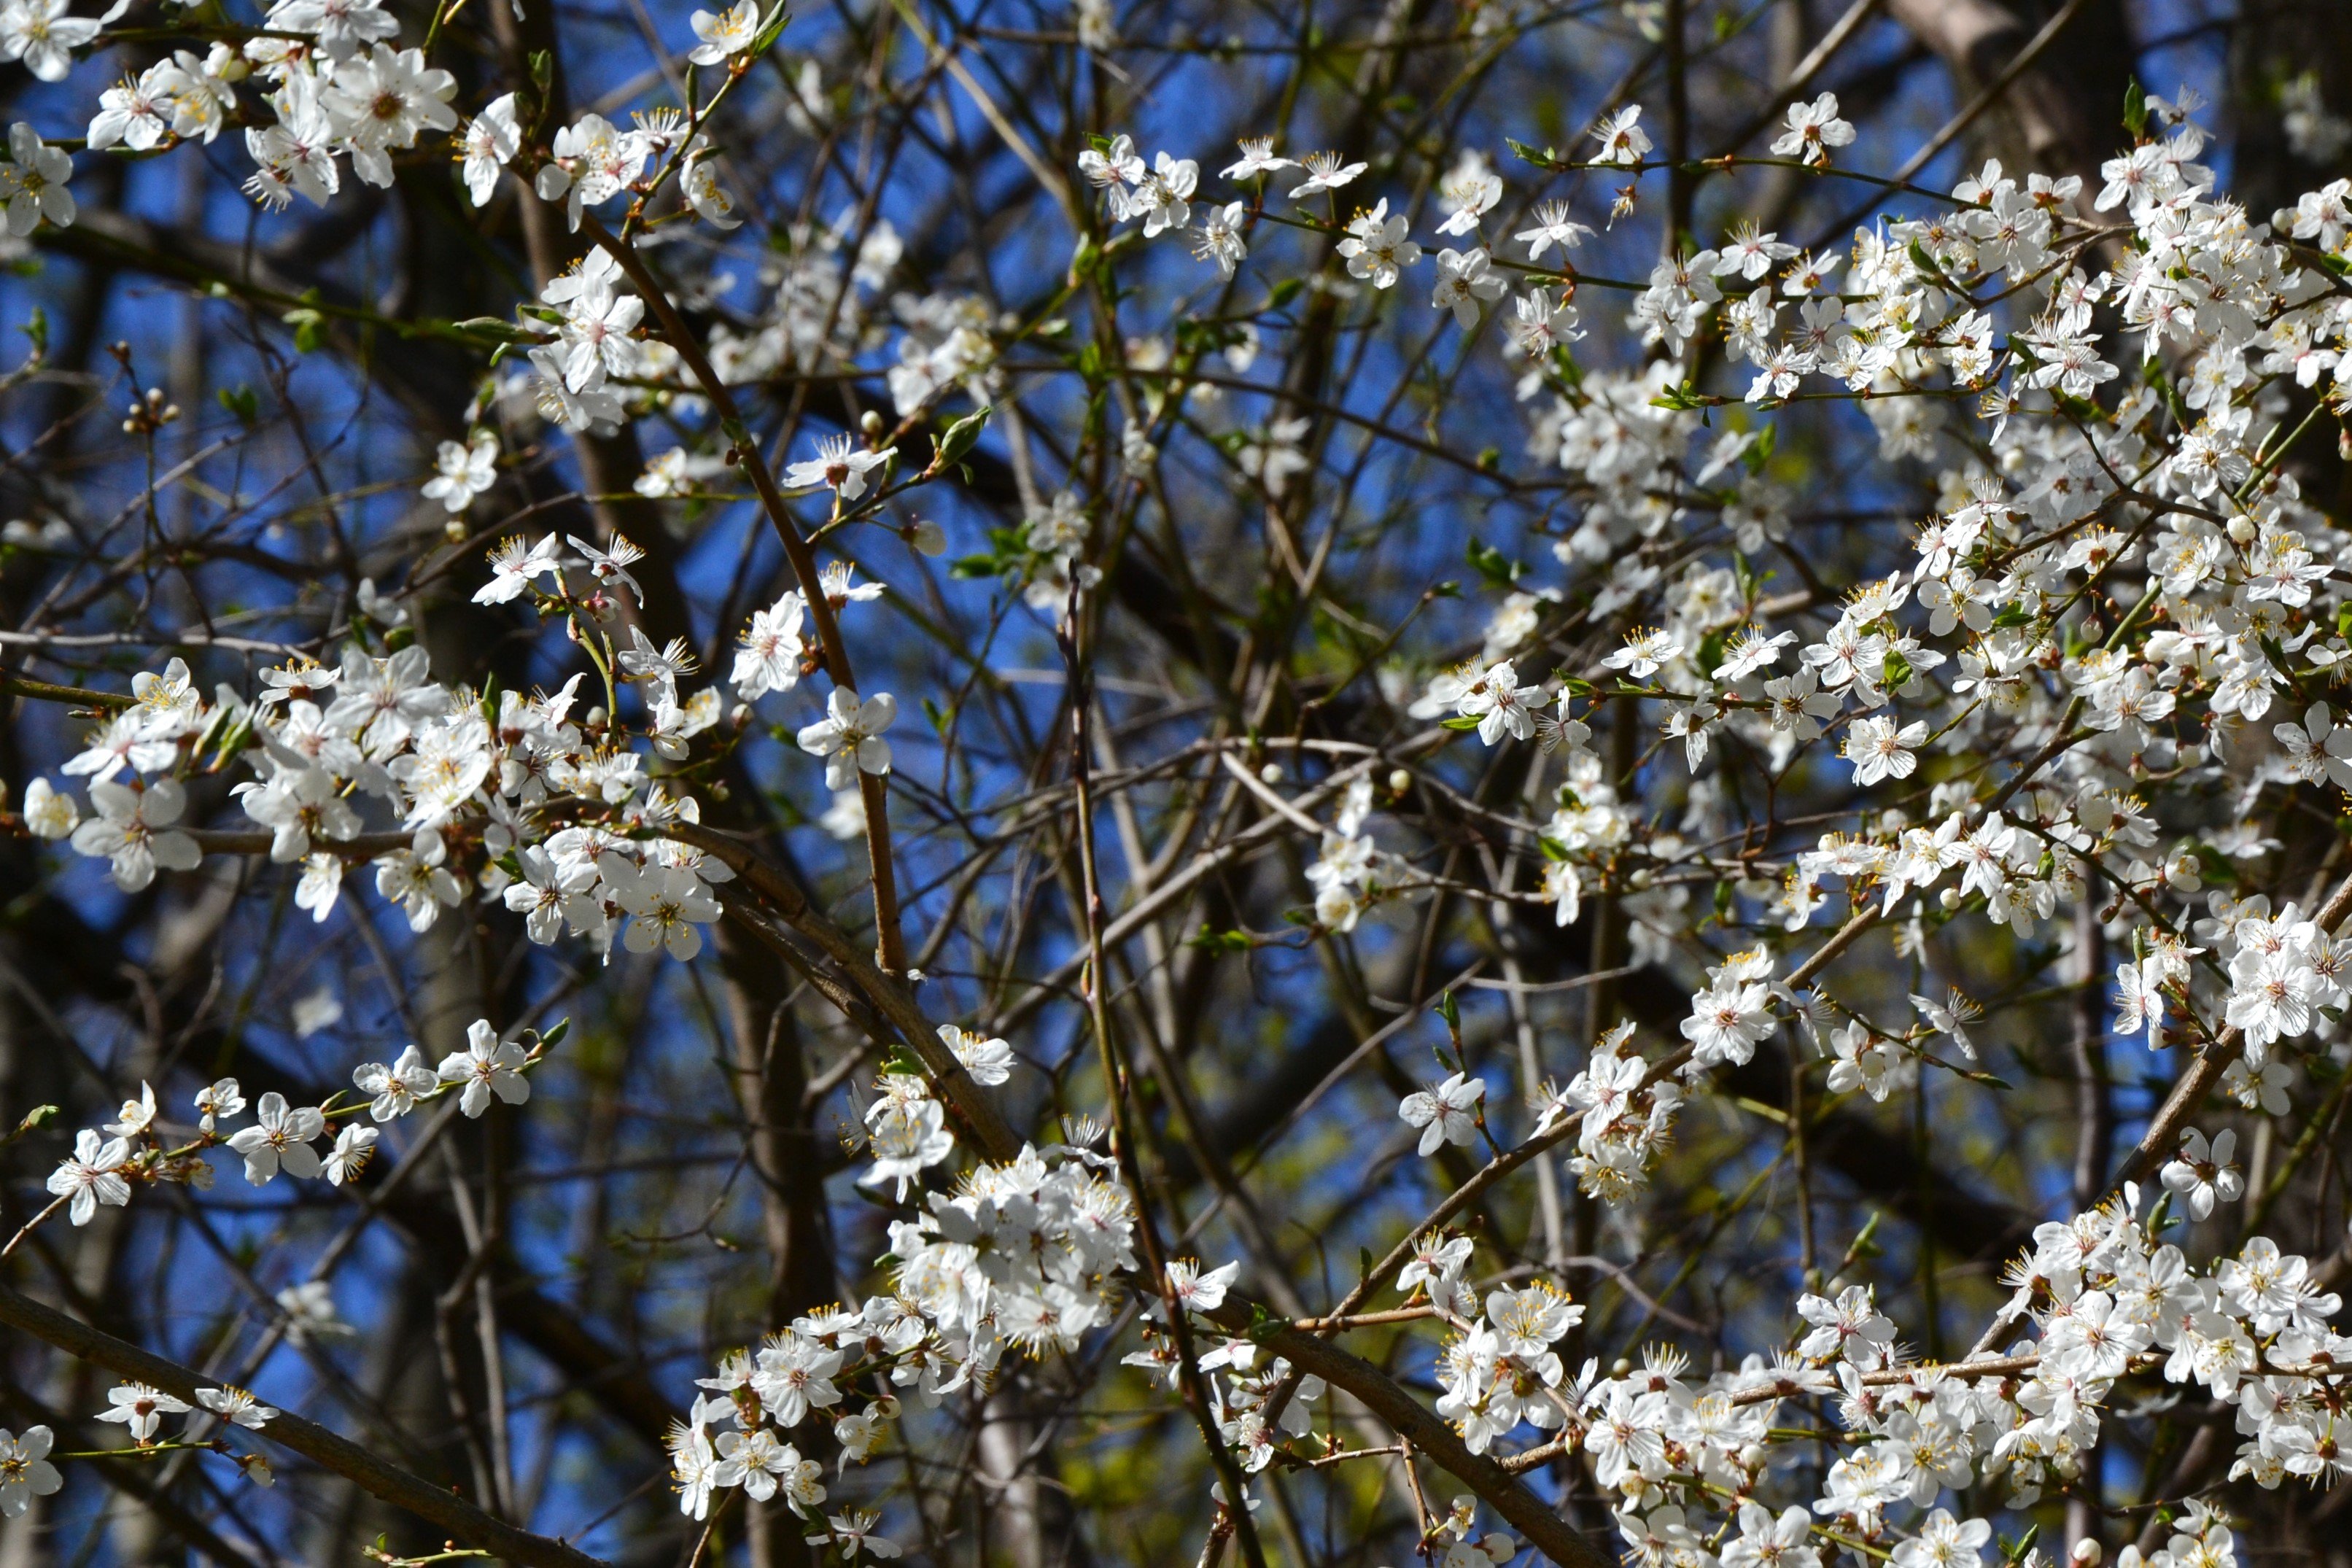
x: 309, y: 328
x: 1285, y: 292
x: 975, y: 566
x: 1928, y: 266
x: 1491, y: 564
x: 36, y: 327
x: 1449, y: 1010
x: 242, y: 400
x: 1212, y: 940
x: 554, y: 1036
x: 770, y: 32
x: 40, y: 1115
x: 1682, y: 397
x: 960, y: 437
x: 503, y: 329
x: 1461, y: 722
x: 2135, y: 110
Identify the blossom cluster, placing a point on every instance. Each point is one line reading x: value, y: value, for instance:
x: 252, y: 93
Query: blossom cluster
x: 108, y: 1160
x: 565, y: 814
x: 1026, y: 1256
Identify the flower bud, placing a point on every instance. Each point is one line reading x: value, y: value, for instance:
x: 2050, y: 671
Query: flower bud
x: 1400, y: 781
x: 1271, y: 773
x: 929, y: 538
x: 2086, y: 1553
x: 871, y: 423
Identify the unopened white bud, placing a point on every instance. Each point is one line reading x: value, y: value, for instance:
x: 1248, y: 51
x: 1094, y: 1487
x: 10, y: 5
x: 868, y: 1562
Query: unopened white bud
x: 1271, y: 773
x: 2086, y: 1553
x: 1400, y: 781
x: 929, y: 538
x: 871, y: 423
x: 1949, y: 897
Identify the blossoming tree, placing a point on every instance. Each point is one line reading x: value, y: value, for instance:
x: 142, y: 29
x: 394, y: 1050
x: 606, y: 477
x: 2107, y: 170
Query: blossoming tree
x: 1476, y: 782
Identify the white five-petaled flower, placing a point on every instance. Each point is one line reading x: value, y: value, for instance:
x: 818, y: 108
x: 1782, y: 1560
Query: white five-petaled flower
x: 349, y: 1155
x: 1552, y: 227
x: 134, y: 831
x: 492, y: 138
x: 841, y: 465
x: 139, y: 1408
x: 514, y: 565
x: 92, y: 1175
x: 1257, y: 158
x: 463, y: 472
x: 1196, y: 1290
x: 1114, y: 166
x: 990, y: 1061
x: 392, y: 1091
x: 49, y: 812
x: 770, y: 659
x: 1879, y: 751
x: 667, y: 904
x: 1376, y: 246
x: 1813, y: 129
x: 1622, y: 138
x: 237, y: 1406
x: 1325, y: 172
x: 1644, y: 653
x: 136, y: 1115
x: 1219, y: 237
x: 849, y: 736
x: 40, y: 34
x: 609, y: 563
x: 2139, y: 997
x: 25, y: 1472
x: 1726, y: 1021
x: 2316, y: 749
x: 1464, y: 283
x: 854, y: 1532
x: 1446, y: 1114
x: 661, y: 667
x: 220, y: 1098
x: 1500, y: 704
x: 486, y: 1067
x: 279, y: 1140
x: 724, y: 34
x: 2204, y: 1174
